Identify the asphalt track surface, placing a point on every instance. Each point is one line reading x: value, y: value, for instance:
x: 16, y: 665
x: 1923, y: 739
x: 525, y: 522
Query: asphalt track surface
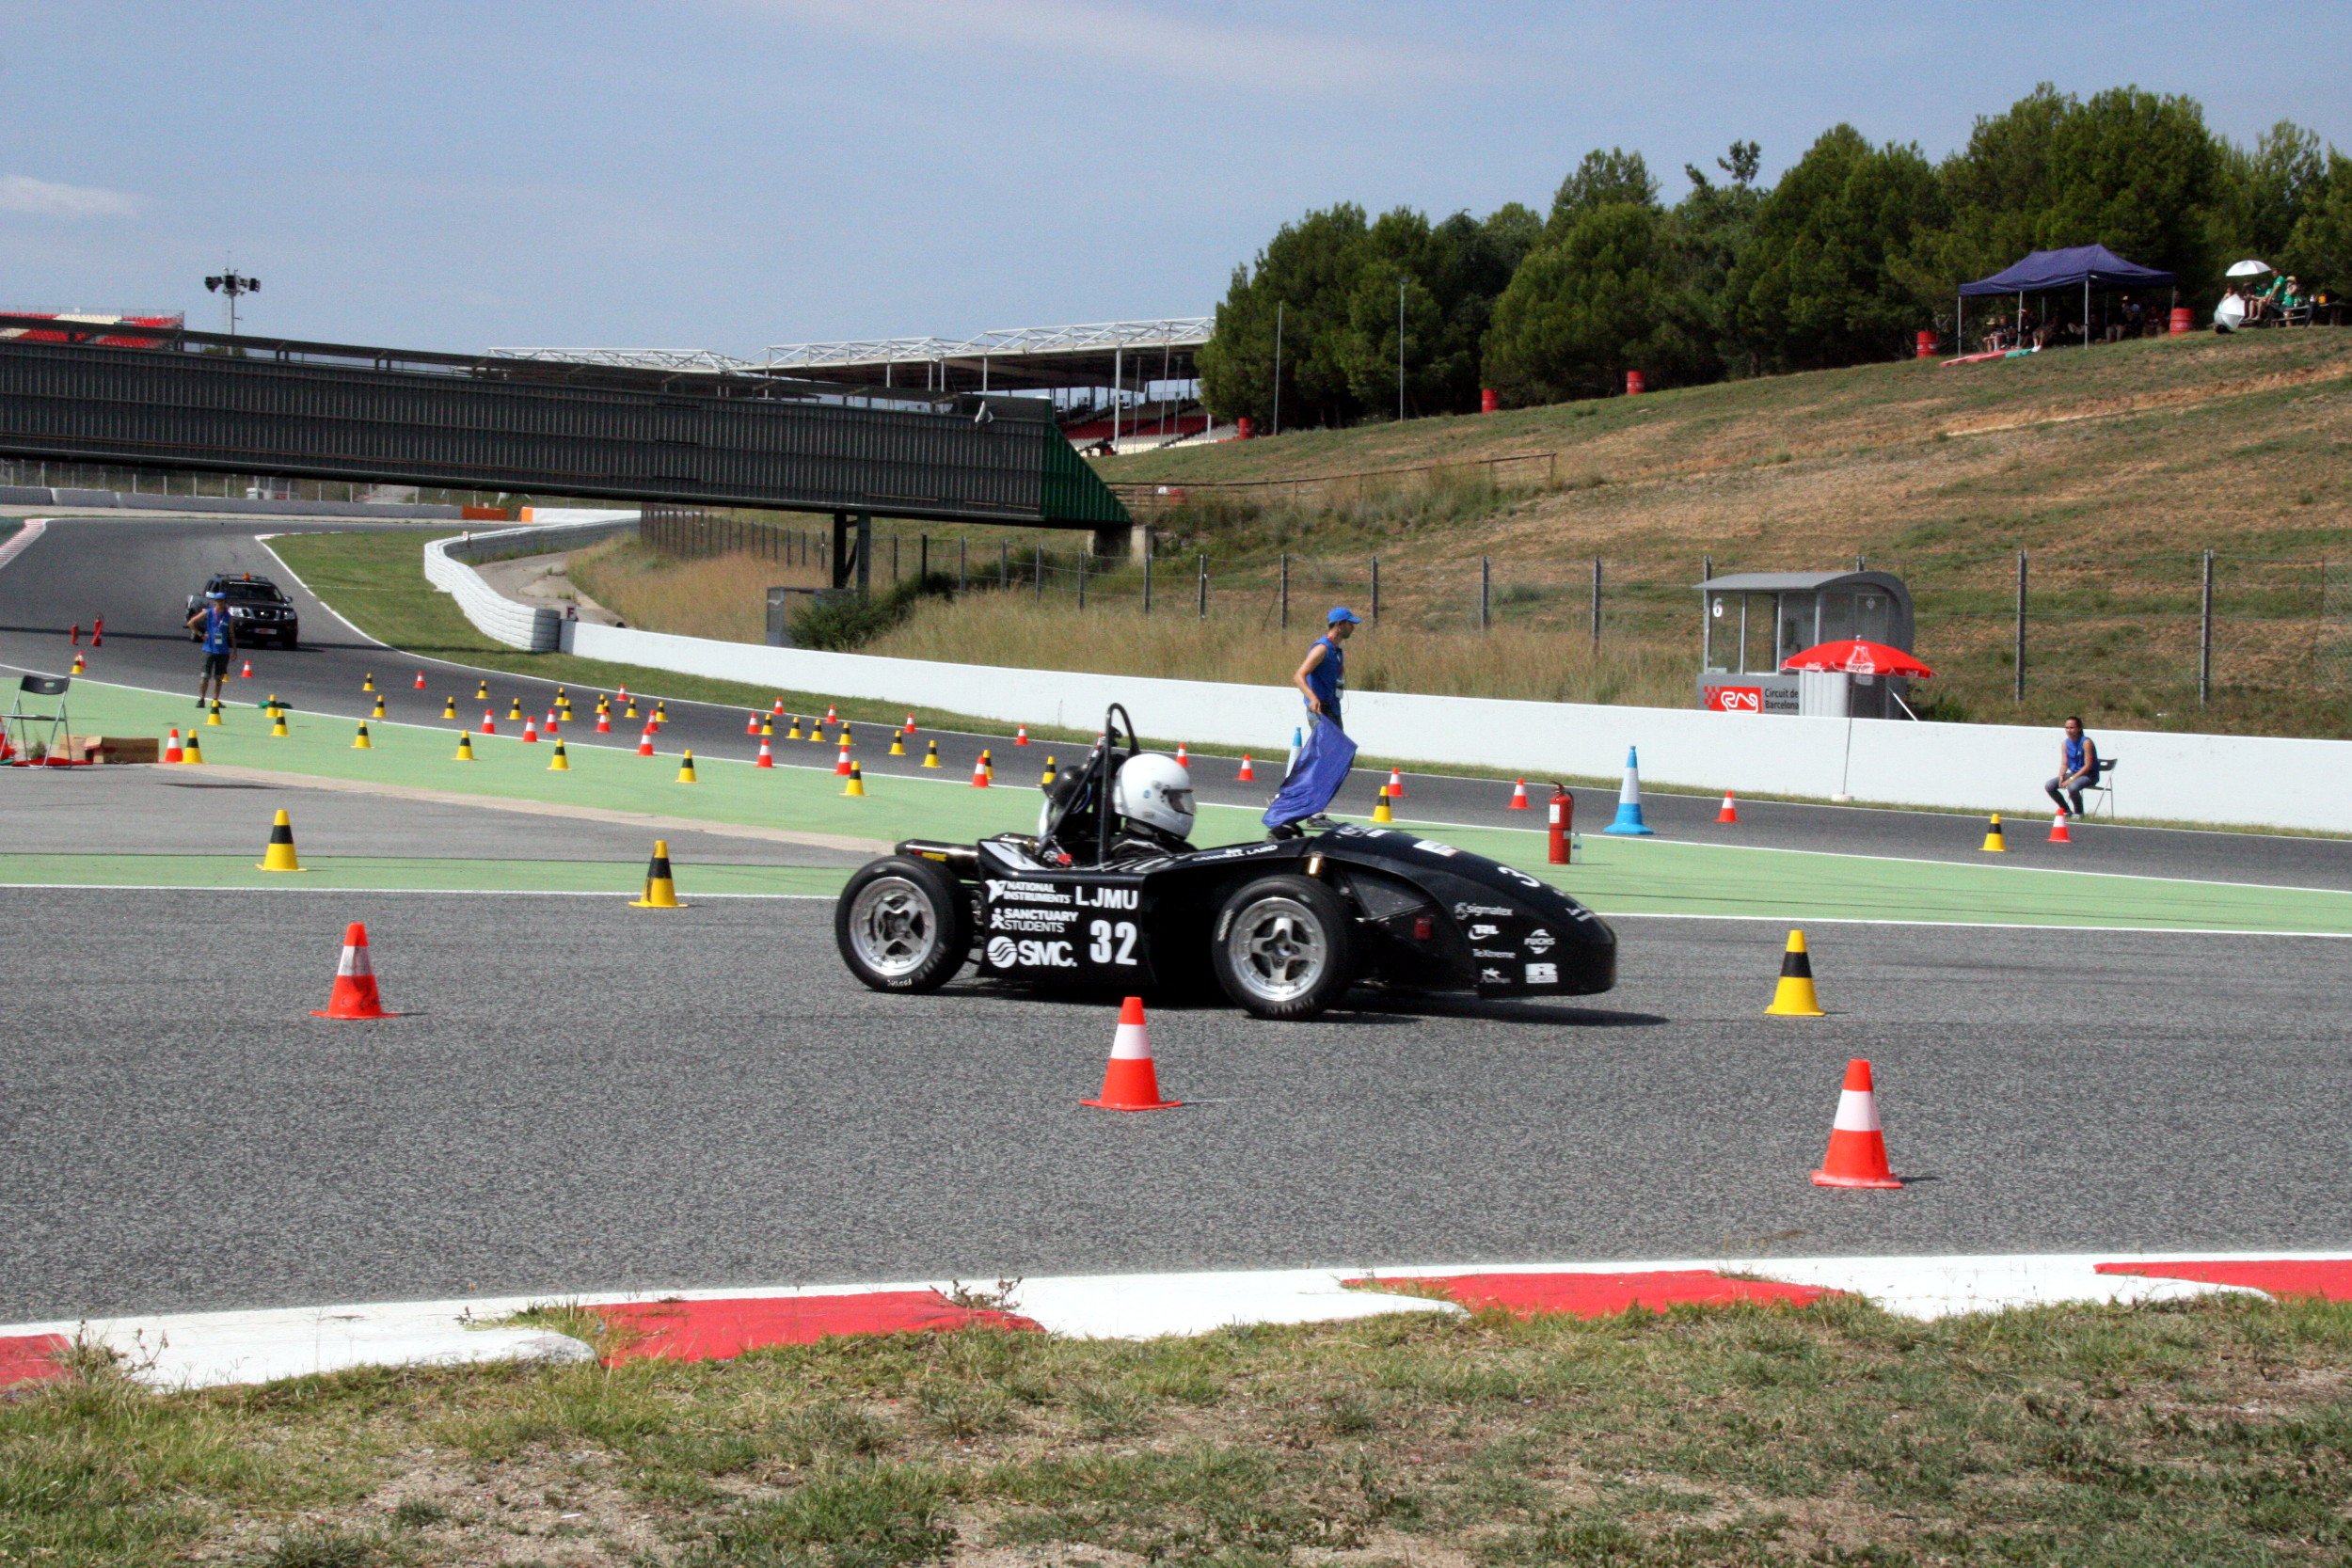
x: 137, y: 573
x: 589, y: 1097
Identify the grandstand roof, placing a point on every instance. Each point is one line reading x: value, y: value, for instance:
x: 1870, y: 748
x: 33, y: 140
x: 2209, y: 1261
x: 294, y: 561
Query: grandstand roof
x: 1025, y: 358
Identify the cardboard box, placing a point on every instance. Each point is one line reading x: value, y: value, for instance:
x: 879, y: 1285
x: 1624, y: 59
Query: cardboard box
x: 108, y: 748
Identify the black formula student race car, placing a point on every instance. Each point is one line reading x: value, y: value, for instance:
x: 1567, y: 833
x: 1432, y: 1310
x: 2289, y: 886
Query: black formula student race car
x: 1108, y: 895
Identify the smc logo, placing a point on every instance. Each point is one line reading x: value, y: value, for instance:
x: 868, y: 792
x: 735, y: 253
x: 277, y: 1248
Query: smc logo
x: 1734, y: 698
x: 1005, y: 953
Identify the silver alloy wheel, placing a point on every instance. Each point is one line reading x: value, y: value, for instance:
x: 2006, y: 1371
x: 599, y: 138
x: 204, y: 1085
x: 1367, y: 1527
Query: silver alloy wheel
x: 1276, y: 948
x: 893, y: 927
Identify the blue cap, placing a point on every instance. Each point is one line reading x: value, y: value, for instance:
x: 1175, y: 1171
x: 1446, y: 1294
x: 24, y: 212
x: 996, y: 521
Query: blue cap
x: 1341, y: 612
x: 215, y: 594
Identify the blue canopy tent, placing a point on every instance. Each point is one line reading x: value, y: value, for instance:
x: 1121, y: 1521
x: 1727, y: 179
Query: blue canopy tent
x: 2045, y: 272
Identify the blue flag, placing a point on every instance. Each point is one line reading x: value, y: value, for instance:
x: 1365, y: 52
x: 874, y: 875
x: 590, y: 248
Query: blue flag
x: 1317, y: 776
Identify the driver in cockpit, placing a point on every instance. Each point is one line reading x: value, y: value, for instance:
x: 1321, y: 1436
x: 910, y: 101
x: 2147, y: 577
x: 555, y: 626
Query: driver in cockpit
x: 1151, y: 805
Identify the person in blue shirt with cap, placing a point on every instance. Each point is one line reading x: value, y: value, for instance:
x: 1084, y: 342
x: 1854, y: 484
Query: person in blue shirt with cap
x: 1320, y: 767
x: 1324, y: 675
x: 219, y: 633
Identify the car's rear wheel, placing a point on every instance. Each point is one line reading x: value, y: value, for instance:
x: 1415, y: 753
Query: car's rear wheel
x: 903, y: 925
x: 1283, y: 947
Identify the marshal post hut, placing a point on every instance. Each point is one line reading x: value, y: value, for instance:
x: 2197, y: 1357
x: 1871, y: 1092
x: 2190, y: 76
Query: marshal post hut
x: 1751, y: 622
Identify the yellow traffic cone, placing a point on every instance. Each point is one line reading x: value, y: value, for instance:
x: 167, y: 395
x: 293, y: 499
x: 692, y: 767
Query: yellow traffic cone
x: 279, y: 856
x: 686, y: 768
x: 515, y: 711
x: 193, y: 751
x: 212, y: 716
x: 899, y: 743
x: 767, y: 728
x: 632, y: 709
x: 360, y: 742
x: 857, y: 781
x: 1794, y: 997
x: 369, y: 684
x: 794, y: 733
x: 930, y: 756
x: 449, y: 707
x: 482, y: 691
x: 1994, y: 843
x: 661, y: 887
x: 559, y: 762
x: 278, y: 729
x: 1381, y: 812
x: 464, y: 746
x: 379, y: 707
x: 1047, y: 782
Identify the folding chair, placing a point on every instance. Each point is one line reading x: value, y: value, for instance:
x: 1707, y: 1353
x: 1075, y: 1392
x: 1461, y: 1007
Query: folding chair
x: 2101, y: 787
x: 21, y: 728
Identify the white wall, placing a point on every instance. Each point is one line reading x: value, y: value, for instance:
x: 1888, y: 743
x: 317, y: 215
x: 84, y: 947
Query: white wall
x: 2241, y: 780
x: 496, y: 617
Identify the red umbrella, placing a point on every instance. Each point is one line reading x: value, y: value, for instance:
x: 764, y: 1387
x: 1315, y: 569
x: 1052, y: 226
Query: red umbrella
x: 1856, y: 658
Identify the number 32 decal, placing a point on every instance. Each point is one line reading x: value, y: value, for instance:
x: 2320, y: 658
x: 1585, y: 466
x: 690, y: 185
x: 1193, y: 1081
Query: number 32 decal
x: 1112, y: 944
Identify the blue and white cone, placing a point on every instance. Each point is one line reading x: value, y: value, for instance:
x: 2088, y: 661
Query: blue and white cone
x: 1298, y: 738
x: 1629, y: 820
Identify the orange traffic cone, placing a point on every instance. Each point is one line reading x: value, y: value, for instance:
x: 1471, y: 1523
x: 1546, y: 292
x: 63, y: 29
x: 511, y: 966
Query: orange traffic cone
x: 979, y: 772
x: 604, y: 722
x: 1857, y: 1150
x: 173, y: 751
x: 247, y: 673
x: 1020, y: 737
x: 531, y: 733
x: 489, y: 722
x: 1132, y: 1082
x: 1396, y: 785
x: 1730, y: 812
x: 841, y: 760
x: 1519, y: 796
x: 751, y: 723
x: 354, y: 994
x: 1247, y: 773
x: 644, y: 742
x: 767, y: 758
x: 833, y: 714
x: 1181, y: 760
x: 420, y: 680
x: 909, y: 724
x: 2057, y: 829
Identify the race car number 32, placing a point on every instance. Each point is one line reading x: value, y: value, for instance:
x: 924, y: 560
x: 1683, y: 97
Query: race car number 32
x: 1111, y: 944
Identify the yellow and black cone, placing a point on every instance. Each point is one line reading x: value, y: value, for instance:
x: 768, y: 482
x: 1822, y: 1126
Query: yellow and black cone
x: 1794, y: 996
x: 1381, y: 812
x: 360, y: 742
x: 661, y: 888
x: 193, y: 751
x: 632, y: 709
x: 686, y: 768
x: 661, y: 712
x: 857, y: 781
x: 279, y: 856
x: 379, y: 707
x: 448, y: 709
x: 899, y: 743
x: 211, y: 715
x: 1047, y: 782
x: 514, y: 711
x: 482, y: 691
x: 930, y: 756
x: 559, y: 762
x: 794, y: 733
x: 767, y: 728
x: 464, y: 746
x: 369, y: 684
x: 278, y: 727
x: 1994, y: 843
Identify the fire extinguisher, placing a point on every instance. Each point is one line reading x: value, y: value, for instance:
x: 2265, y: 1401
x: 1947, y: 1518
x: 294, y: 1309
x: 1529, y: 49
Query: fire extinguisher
x: 1563, y: 823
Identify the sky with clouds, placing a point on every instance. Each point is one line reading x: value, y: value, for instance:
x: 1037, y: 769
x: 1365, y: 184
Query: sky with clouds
x: 733, y: 173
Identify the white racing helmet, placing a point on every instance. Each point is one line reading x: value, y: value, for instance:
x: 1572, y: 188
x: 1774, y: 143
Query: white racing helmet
x: 1156, y: 791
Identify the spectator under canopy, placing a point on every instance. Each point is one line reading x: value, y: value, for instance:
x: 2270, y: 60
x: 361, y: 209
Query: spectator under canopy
x: 2084, y: 266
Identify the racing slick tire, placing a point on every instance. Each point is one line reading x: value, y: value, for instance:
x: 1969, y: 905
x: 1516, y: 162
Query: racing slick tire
x: 1283, y: 947
x: 903, y: 925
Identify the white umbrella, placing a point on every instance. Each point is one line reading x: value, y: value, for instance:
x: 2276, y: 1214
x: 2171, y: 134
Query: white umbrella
x: 2248, y: 269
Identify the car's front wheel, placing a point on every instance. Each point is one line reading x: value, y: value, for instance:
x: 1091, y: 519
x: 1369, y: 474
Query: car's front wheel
x: 1283, y: 947
x: 903, y: 925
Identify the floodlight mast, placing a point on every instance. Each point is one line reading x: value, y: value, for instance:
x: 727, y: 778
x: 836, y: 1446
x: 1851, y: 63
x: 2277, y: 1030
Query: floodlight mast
x: 230, y: 283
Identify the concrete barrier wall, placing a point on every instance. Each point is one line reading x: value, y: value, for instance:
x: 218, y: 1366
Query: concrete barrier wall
x: 34, y: 495
x: 2240, y: 779
x: 532, y: 628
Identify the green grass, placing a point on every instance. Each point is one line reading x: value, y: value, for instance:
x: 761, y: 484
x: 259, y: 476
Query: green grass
x: 1617, y: 875
x: 2214, y: 1433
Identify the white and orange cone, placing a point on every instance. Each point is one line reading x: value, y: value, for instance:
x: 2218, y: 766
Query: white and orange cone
x: 751, y: 723
x: 1021, y: 736
x: 1730, y: 812
x: 841, y: 760
x: 1396, y: 785
x: 354, y: 994
x: 420, y: 680
x: 1519, y: 796
x: 604, y: 722
x: 2057, y: 829
x: 489, y: 722
x: 1247, y: 773
x: 1857, y: 1148
x: 979, y: 772
x: 531, y: 733
x: 1181, y: 760
x: 644, y: 742
x: 909, y: 724
x: 833, y: 714
x: 173, y: 751
x: 1132, y: 1082
x: 767, y: 758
